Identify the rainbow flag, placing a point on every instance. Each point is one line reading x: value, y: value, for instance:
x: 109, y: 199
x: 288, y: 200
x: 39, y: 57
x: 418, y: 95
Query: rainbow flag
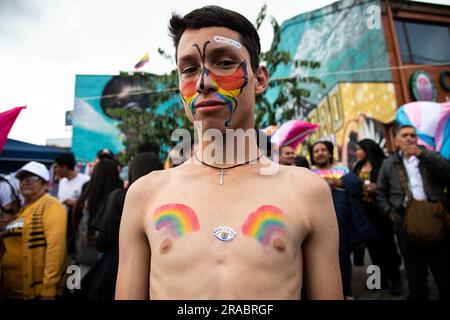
x: 142, y: 62
x: 7, y: 120
x: 432, y: 122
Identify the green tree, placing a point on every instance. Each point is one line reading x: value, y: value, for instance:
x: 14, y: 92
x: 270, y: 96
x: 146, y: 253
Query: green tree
x: 153, y: 124
x: 290, y: 90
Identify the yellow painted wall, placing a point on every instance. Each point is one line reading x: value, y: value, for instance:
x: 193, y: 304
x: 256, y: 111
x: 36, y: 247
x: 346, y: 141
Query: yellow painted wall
x: 346, y: 106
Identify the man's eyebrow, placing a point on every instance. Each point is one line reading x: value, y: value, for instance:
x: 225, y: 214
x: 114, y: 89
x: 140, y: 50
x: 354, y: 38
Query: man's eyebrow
x: 211, y: 51
x: 188, y: 58
x: 221, y: 50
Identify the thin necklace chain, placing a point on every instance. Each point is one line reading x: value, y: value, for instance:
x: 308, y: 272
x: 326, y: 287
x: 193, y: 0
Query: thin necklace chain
x: 226, y: 168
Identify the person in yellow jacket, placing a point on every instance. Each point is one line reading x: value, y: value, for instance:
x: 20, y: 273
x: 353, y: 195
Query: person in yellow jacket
x: 34, y: 260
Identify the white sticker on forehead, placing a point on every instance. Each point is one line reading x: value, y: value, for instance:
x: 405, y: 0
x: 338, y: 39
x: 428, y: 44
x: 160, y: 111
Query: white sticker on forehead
x: 227, y: 41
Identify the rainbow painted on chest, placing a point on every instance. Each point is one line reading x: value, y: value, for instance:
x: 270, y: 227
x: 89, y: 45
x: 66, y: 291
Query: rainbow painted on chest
x: 178, y: 218
x: 264, y: 223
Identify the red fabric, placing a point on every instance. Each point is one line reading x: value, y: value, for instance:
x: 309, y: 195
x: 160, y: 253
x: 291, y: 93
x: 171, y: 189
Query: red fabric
x: 7, y: 120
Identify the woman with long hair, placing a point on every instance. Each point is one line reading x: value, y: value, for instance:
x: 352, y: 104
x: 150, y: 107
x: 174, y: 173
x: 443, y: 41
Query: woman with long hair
x: 105, y: 179
x: 382, y: 250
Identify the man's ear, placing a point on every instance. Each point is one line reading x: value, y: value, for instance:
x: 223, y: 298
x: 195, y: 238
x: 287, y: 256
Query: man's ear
x: 262, y: 80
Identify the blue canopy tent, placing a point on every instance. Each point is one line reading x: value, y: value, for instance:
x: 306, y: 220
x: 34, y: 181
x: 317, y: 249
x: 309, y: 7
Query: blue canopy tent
x: 16, y: 153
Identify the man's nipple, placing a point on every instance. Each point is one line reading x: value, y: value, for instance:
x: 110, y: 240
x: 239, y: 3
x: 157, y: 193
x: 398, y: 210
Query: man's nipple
x: 165, y: 247
x: 279, y: 245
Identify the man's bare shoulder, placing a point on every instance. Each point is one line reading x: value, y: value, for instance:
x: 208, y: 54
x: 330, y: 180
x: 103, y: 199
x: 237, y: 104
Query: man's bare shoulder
x: 158, y: 181
x: 306, y: 181
x: 149, y: 183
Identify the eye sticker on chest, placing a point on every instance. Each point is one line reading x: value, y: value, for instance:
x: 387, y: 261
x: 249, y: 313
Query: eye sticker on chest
x: 264, y: 223
x: 179, y: 219
x: 227, y: 41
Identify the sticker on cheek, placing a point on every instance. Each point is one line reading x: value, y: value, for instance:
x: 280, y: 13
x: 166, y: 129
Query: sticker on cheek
x: 230, y: 42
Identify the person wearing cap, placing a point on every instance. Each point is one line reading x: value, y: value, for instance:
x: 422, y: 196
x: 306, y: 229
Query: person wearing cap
x: 34, y: 261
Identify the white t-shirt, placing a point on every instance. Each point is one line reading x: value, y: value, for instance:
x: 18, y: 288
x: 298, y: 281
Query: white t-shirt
x: 71, y: 189
x: 6, y: 196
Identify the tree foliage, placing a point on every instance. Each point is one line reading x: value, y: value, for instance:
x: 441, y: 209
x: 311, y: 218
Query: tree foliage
x: 291, y: 97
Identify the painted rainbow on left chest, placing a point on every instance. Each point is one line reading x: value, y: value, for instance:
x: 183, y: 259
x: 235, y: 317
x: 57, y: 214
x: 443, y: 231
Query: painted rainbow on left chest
x: 264, y: 222
x: 180, y: 219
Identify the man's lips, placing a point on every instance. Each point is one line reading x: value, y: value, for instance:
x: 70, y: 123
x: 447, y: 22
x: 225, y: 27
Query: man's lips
x: 209, y: 106
x: 209, y: 103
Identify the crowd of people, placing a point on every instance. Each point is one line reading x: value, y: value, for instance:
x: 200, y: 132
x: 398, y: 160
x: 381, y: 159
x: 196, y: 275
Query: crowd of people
x: 371, y: 206
x: 47, y: 226
x: 79, y: 225
x: 202, y: 231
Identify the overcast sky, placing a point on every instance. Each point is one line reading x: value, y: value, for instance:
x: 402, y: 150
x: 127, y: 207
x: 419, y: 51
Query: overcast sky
x: 45, y: 43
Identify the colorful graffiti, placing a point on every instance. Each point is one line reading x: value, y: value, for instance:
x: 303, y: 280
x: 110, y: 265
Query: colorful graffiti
x: 92, y: 128
x: 95, y: 122
x: 359, y: 97
x: 351, y: 112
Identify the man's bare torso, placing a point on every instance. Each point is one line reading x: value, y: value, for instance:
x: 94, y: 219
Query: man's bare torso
x: 197, y: 264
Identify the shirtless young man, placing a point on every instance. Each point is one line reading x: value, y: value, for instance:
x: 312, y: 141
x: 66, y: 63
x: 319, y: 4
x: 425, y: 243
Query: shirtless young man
x: 184, y: 235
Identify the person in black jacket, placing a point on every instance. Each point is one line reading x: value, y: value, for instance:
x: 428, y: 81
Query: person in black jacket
x: 428, y: 174
x: 382, y: 249
x: 100, y: 282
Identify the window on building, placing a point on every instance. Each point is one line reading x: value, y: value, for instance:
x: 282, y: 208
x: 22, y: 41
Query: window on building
x: 423, y: 43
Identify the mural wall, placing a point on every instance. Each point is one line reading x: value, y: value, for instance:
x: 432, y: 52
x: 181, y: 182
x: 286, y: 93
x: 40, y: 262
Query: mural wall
x: 359, y: 95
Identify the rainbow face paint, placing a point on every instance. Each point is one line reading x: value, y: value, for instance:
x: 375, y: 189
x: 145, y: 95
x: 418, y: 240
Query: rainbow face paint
x: 228, y: 87
x: 264, y: 222
x: 178, y: 218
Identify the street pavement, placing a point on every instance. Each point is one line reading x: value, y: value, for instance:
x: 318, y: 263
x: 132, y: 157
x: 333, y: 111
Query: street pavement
x: 360, y: 292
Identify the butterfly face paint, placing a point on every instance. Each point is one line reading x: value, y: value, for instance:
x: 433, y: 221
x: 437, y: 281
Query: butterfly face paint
x: 228, y: 86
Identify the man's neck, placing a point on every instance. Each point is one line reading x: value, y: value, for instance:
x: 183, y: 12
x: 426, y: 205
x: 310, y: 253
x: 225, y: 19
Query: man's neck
x: 326, y: 166
x: 33, y: 198
x: 223, y: 154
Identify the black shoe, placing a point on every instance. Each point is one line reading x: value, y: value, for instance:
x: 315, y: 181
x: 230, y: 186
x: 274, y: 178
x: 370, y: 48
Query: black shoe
x: 397, y: 288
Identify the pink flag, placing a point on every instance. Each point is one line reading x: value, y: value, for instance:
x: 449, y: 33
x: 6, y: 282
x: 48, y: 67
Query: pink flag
x: 7, y: 120
x: 292, y: 133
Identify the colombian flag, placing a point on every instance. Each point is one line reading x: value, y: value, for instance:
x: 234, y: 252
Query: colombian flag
x: 142, y: 62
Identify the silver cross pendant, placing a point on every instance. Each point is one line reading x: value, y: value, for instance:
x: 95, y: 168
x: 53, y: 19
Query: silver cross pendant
x: 222, y: 173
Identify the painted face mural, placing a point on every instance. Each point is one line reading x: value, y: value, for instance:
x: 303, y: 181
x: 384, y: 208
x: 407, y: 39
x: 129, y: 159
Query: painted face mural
x: 227, y: 79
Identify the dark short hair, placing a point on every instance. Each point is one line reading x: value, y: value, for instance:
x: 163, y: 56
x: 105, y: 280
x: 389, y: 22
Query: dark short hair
x: 148, y: 146
x: 301, y: 161
x: 330, y: 147
x: 67, y: 160
x: 105, y: 154
x: 142, y: 164
x: 398, y: 128
x: 215, y: 16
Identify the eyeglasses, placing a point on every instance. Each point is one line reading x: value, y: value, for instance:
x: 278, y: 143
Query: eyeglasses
x: 30, y: 179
